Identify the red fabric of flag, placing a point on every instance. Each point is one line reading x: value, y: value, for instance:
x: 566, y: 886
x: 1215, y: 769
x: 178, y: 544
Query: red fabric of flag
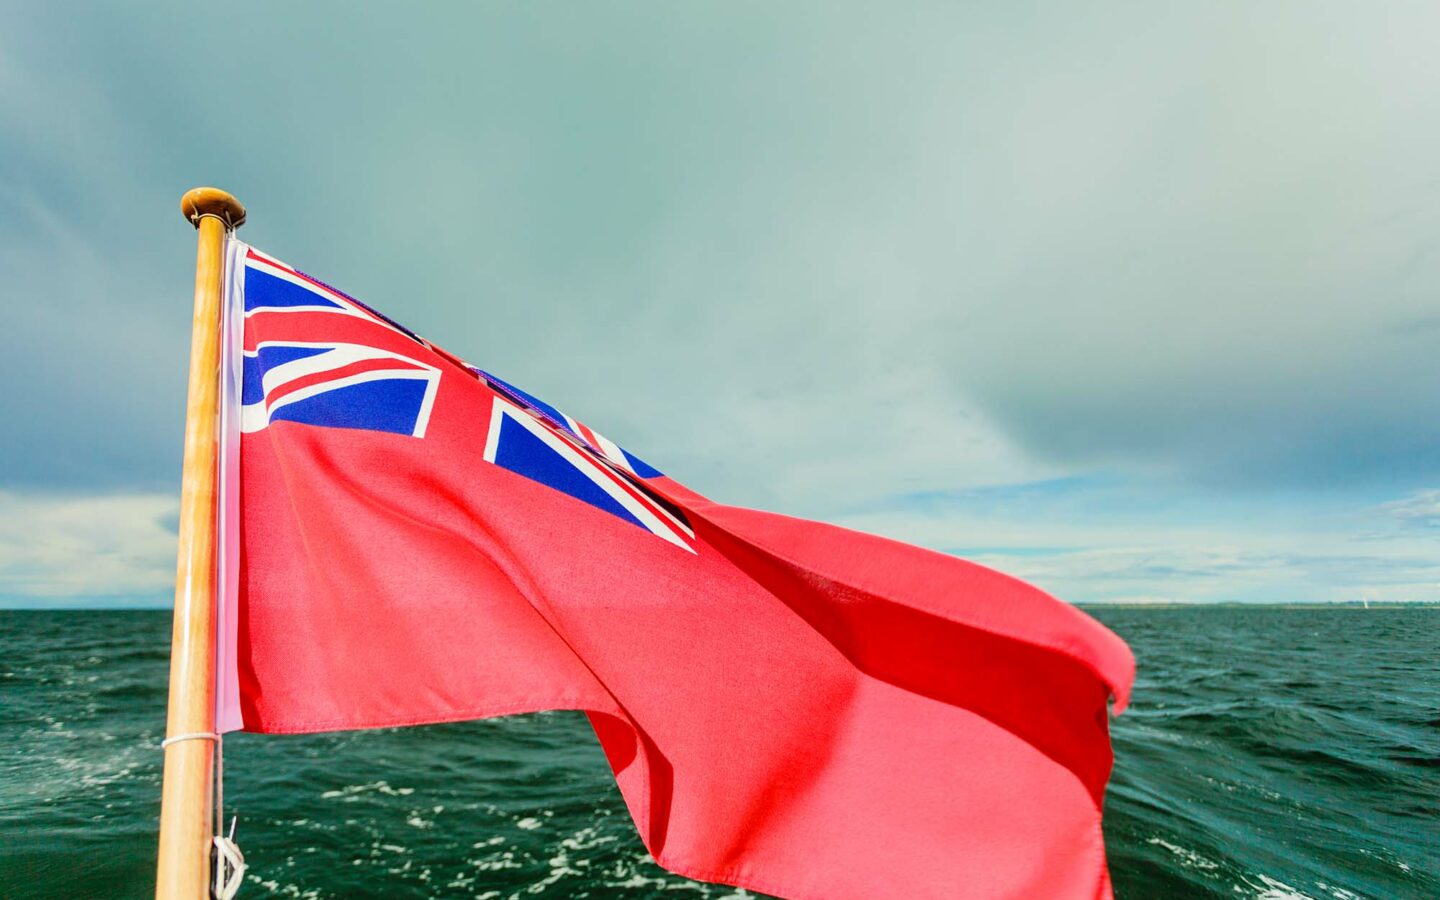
x: 788, y: 706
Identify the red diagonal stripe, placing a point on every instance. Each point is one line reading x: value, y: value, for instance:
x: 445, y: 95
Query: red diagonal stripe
x: 355, y: 368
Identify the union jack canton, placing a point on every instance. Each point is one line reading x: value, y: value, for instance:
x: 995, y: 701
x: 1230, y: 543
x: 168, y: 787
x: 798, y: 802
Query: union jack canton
x: 340, y: 364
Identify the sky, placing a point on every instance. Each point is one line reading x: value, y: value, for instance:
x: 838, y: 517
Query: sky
x: 1139, y: 302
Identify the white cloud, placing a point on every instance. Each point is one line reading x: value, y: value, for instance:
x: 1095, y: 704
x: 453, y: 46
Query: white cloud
x: 1420, y: 508
x: 1078, y: 546
x: 54, y: 547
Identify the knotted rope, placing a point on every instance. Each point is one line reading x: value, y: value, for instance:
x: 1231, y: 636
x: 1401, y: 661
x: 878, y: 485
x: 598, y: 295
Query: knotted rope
x: 229, y: 862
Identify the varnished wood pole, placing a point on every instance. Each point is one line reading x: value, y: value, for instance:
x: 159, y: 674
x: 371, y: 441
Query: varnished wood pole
x: 187, y: 795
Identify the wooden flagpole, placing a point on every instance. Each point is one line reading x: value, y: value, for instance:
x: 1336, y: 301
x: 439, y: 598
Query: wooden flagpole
x: 186, y: 804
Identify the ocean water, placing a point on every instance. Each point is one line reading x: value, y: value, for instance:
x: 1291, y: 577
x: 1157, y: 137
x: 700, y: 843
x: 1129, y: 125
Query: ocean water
x: 1269, y: 753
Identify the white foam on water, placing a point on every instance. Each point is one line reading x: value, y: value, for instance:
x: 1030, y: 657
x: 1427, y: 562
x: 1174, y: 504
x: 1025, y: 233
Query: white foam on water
x: 587, y: 838
x: 637, y: 880
x: 461, y: 881
x: 1274, y: 889
x: 351, y: 792
x: 284, y: 890
x: 498, y: 858
x: 559, y: 868
x: 1188, y: 858
x: 529, y: 823
x: 635, y: 870
x: 505, y: 860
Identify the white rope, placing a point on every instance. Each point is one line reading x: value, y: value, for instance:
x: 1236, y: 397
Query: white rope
x: 192, y: 736
x: 229, y: 861
x: 229, y: 865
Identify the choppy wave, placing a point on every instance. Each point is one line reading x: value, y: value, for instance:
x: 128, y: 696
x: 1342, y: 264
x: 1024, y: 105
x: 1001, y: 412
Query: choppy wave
x: 1269, y: 753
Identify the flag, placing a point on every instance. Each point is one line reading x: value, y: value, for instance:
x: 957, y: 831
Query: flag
x: 787, y: 706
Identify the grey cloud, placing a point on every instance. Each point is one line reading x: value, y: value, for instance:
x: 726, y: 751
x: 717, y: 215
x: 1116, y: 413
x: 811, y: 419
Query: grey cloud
x: 952, y: 247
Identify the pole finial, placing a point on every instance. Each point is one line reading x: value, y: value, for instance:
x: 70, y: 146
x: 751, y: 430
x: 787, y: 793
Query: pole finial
x: 208, y: 201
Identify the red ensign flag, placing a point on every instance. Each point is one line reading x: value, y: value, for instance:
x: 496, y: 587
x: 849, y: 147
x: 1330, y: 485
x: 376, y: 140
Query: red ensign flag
x: 787, y: 706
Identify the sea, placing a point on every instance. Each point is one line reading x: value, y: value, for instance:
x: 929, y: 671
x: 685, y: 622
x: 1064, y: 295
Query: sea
x: 1269, y: 753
